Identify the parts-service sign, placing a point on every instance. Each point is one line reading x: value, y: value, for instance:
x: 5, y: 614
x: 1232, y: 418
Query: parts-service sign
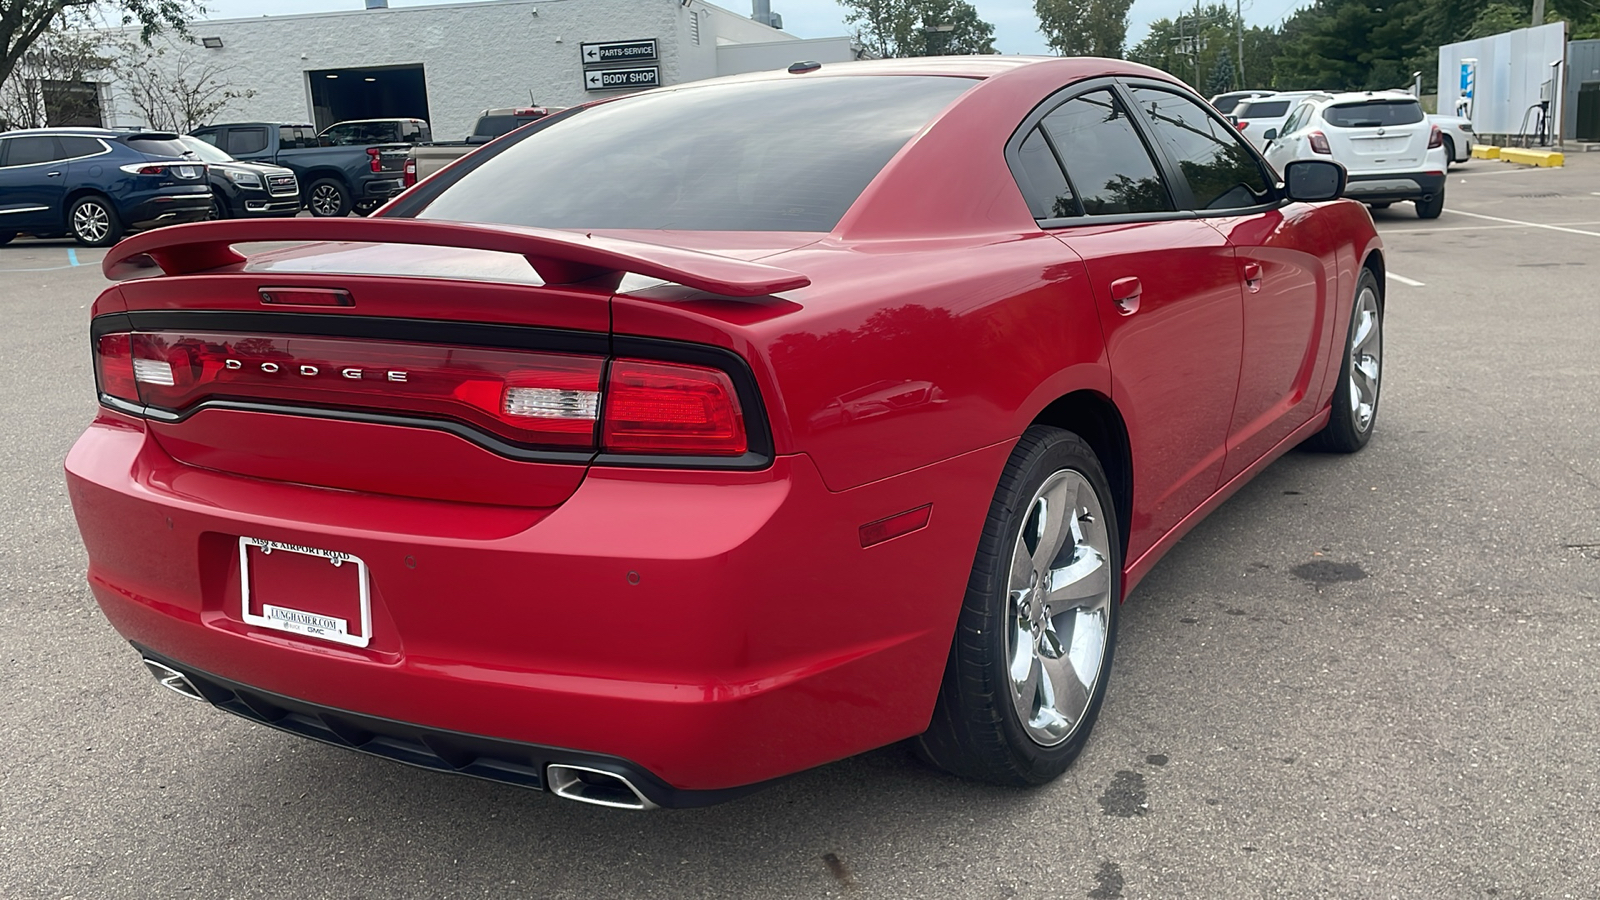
x: 615, y: 79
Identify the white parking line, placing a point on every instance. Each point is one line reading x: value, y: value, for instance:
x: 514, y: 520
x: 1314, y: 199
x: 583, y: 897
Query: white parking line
x: 1524, y: 224
x: 1404, y: 280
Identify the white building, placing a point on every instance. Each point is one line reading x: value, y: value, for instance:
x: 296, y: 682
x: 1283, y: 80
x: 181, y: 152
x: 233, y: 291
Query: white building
x: 448, y: 63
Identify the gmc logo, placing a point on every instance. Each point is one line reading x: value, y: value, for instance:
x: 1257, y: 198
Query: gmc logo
x: 354, y: 374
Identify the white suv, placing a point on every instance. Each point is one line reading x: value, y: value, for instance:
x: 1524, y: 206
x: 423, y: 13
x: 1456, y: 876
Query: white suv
x: 1254, y: 118
x: 1382, y: 138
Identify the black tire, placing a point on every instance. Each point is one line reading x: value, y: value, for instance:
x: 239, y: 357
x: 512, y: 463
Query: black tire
x: 1449, y: 152
x: 1346, y: 432
x: 977, y: 729
x: 328, y: 198
x: 1430, y: 209
x: 93, y: 222
x: 219, y: 208
x: 1383, y: 205
x: 7, y: 237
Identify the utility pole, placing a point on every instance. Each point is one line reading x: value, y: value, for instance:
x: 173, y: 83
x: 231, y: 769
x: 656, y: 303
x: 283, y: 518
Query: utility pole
x: 1238, y: 24
x: 1538, y: 13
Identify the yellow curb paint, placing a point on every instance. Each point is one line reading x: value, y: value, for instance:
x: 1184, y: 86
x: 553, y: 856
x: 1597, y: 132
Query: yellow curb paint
x: 1545, y: 159
x: 1483, y: 151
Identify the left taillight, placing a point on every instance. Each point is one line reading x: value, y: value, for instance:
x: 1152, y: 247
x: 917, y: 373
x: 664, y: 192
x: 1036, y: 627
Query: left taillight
x: 1319, y: 143
x: 1435, y: 138
x: 113, y: 367
x: 374, y: 160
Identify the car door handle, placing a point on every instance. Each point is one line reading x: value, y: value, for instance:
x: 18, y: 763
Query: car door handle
x: 52, y: 174
x: 1252, y: 276
x: 1125, y: 294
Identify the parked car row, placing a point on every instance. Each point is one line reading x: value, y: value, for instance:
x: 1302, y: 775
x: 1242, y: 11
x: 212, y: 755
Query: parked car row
x: 1392, y: 150
x: 94, y: 184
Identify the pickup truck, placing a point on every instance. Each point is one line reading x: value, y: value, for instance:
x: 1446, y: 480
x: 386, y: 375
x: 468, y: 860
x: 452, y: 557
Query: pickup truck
x: 333, y: 180
x: 428, y: 158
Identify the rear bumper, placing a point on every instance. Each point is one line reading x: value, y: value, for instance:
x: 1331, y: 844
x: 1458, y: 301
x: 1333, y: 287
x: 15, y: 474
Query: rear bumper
x: 1390, y: 187
x: 192, y: 205
x: 713, y: 629
x: 382, y: 188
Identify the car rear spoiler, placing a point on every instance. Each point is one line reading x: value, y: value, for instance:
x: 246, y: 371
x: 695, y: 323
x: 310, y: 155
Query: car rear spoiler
x: 560, y: 257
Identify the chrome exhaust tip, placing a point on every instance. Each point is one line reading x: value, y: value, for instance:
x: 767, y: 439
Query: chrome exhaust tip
x: 594, y: 786
x: 173, y: 680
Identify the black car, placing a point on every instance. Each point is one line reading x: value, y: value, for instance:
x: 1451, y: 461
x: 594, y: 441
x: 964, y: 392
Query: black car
x: 95, y: 184
x: 241, y: 190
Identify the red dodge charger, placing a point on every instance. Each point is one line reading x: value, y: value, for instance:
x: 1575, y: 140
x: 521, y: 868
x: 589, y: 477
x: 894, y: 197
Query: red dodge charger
x: 689, y: 439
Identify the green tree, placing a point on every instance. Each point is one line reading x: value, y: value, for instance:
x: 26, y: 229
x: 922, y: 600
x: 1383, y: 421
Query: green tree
x: 1220, y: 79
x: 1084, y: 27
x: 897, y: 28
x: 24, y: 22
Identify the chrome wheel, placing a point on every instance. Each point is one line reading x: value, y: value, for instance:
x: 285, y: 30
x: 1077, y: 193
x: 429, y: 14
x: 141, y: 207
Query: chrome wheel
x: 91, y: 222
x: 1058, y: 615
x: 1366, y: 359
x: 326, y: 200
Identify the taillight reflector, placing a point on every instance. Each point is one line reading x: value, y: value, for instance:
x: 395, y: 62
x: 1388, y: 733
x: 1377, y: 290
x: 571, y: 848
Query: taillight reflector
x: 671, y: 408
x: 895, y: 526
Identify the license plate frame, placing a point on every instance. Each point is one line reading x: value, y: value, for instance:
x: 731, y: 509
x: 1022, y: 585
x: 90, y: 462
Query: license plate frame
x: 295, y: 621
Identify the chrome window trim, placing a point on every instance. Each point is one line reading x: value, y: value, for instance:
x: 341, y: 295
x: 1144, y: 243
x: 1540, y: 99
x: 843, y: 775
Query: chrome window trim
x: 104, y: 149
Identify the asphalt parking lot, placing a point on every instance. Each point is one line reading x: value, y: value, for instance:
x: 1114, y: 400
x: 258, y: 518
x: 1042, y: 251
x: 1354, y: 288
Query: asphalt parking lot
x: 1366, y: 676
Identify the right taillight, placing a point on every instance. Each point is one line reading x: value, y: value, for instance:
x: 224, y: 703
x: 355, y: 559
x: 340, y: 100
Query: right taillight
x: 1241, y: 125
x: 671, y: 409
x: 1319, y: 143
x: 409, y: 176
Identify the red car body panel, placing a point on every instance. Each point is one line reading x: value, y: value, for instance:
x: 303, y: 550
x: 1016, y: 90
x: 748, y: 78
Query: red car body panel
x: 715, y: 628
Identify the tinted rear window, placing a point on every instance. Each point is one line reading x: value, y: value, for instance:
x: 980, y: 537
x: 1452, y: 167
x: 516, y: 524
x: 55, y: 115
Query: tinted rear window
x: 1373, y: 114
x: 1264, y: 109
x: 74, y: 147
x: 158, y: 146
x: 494, y: 126
x: 789, y: 155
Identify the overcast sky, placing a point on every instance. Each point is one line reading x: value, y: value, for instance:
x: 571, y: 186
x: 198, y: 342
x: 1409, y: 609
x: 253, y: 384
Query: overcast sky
x: 1015, y: 25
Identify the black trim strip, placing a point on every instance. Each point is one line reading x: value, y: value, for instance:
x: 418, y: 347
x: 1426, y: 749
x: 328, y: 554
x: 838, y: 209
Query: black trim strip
x: 479, y: 756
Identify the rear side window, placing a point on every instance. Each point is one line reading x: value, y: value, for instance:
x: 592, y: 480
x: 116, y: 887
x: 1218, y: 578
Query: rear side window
x: 1263, y: 109
x: 246, y: 140
x: 158, y: 146
x: 292, y: 138
x: 789, y: 155
x: 1373, y: 114
x: 1221, y: 173
x: 1041, y: 179
x: 28, y: 151
x: 76, y: 147
x: 1105, y: 158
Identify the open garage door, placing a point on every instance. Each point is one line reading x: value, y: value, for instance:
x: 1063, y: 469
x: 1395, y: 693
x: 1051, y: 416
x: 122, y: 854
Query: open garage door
x: 383, y: 92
